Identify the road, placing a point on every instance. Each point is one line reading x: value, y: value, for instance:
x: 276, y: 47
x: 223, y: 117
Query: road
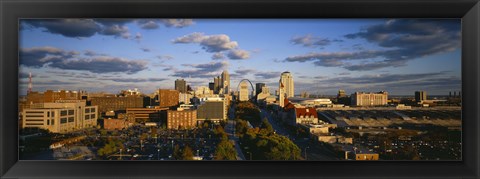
x: 230, y: 129
x: 315, y: 151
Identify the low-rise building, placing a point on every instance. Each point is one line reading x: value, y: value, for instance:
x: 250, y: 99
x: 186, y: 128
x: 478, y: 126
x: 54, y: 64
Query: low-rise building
x: 143, y: 115
x: 366, y: 156
x: 299, y: 115
x: 62, y: 116
x: 184, y: 98
x: 402, y: 106
x: 311, y: 102
x: 115, y: 124
x: 113, y: 103
x: 332, y: 139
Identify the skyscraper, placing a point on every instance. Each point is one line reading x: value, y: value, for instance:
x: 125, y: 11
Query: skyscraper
x: 243, y: 93
x: 258, y: 88
x: 420, y: 96
x: 287, y: 80
x: 216, y: 84
x: 225, y: 82
x: 168, y: 98
x: 181, y: 85
x: 211, y: 86
x: 341, y: 94
x: 281, y: 95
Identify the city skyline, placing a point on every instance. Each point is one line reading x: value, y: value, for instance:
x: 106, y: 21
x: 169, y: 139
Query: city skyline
x: 324, y: 55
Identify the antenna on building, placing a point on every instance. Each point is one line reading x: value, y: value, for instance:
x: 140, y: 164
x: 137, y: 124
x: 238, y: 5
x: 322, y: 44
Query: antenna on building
x: 30, y: 83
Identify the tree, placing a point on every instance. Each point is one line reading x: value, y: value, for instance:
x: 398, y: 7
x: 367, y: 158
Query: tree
x: 269, y: 146
x: 177, y: 154
x: 266, y: 125
x: 220, y: 132
x: 241, y: 126
x: 111, y: 147
x: 187, y: 153
x: 225, y: 151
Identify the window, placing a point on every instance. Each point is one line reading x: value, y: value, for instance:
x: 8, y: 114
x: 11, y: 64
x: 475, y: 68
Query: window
x: 71, y: 119
x: 48, y: 113
x: 30, y: 115
x: 53, y: 113
x: 53, y: 121
x: 92, y: 116
x: 92, y: 110
x: 63, y: 120
x: 63, y: 113
x: 87, y: 116
x: 87, y: 110
x: 48, y: 122
x: 70, y: 112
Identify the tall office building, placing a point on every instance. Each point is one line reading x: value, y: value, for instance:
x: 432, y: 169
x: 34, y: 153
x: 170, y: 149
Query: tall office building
x: 287, y: 80
x: 181, y: 85
x: 258, y: 88
x: 216, y: 84
x: 243, y: 91
x: 281, y: 95
x: 211, y: 86
x: 341, y: 94
x: 420, y: 96
x: 225, y: 82
x: 369, y: 99
x: 168, y: 98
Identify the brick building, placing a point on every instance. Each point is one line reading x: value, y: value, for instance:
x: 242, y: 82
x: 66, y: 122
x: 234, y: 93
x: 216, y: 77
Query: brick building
x: 112, y: 103
x: 168, y: 98
x: 181, y: 119
x: 115, y: 124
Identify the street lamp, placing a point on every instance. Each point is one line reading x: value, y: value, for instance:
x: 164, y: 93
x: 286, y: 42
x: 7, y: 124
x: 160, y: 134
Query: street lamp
x: 120, y: 154
x: 306, y: 158
x: 158, y: 154
x: 250, y: 155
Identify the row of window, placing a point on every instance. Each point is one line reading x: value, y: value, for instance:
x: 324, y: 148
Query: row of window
x: 52, y: 123
x: 89, y: 110
x: 32, y: 115
x: 48, y: 114
x: 34, y: 124
x: 38, y: 112
x: 63, y: 120
x: 34, y: 120
x: 92, y: 116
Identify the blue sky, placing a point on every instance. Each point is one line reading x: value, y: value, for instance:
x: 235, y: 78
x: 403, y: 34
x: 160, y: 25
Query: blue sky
x: 324, y: 55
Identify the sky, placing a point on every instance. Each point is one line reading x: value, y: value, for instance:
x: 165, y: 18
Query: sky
x: 400, y: 56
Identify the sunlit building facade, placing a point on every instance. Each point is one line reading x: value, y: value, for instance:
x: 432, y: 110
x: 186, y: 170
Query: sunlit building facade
x: 369, y: 99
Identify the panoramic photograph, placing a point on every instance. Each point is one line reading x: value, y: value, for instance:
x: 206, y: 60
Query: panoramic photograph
x: 240, y: 89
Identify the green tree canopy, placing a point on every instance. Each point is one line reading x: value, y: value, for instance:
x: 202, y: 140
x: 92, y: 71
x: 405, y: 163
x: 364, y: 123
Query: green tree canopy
x: 225, y: 151
x: 187, y: 153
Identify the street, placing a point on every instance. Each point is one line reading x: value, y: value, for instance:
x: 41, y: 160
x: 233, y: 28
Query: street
x: 230, y: 129
x: 314, y: 150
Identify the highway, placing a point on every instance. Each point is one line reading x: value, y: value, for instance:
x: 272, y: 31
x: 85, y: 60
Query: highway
x: 315, y: 151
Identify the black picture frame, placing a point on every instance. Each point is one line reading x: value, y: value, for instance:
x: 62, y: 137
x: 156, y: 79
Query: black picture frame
x: 12, y: 10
